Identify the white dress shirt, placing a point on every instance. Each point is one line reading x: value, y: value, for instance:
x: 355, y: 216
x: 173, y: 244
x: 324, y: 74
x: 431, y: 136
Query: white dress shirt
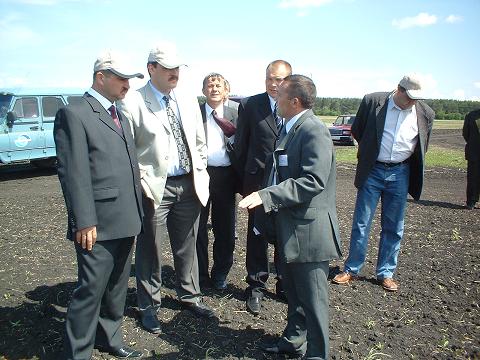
x: 106, y: 104
x: 174, y: 168
x: 217, y: 153
x: 400, y: 134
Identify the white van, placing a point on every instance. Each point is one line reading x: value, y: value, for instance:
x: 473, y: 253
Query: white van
x: 26, y: 125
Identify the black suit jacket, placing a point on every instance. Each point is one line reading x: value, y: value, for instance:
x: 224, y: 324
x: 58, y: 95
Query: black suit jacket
x: 368, y: 128
x: 98, y: 171
x: 471, y: 135
x: 254, y: 140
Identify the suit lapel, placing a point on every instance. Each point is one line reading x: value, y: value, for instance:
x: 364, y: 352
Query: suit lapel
x: 267, y: 113
x: 422, y: 126
x: 103, y: 115
x: 381, y: 115
x: 204, y: 117
x: 153, y: 106
x: 283, y: 145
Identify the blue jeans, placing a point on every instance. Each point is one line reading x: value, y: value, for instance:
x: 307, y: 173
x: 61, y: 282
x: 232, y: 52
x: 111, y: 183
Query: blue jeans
x: 391, y: 184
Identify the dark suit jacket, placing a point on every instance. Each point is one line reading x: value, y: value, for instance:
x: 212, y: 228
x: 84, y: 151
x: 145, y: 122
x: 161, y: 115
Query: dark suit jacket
x: 98, y: 171
x: 254, y: 140
x: 368, y: 128
x: 471, y: 135
x: 304, y: 200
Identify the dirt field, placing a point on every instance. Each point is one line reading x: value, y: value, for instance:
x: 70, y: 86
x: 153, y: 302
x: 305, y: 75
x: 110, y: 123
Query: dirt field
x: 434, y: 315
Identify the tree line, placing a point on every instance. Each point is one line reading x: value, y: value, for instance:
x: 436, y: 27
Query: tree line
x: 445, y: 109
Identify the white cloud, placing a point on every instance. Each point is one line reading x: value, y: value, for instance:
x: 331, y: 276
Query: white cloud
x: 301, y: 4
x: 452, y: 19
x: 15, y: 35
x: 422, y: 19
x: 458, y: 94
x: 477, y: 84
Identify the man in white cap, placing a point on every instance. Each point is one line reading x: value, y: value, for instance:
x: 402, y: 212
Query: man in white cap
x: 172, y: 154
x: 98, y: 172
x: 392, y: 130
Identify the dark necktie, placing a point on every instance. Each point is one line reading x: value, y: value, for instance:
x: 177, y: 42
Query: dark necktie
x: 113, y: 114
x: 227, y: 127
x: 179, y: 135
x: 278, y: 119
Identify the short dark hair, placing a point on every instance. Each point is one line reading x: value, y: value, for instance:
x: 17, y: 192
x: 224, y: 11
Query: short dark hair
x: 213, y: 75
x: 303, y: 88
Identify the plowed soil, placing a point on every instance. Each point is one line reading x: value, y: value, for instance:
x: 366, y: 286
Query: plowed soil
x: 434, y: 315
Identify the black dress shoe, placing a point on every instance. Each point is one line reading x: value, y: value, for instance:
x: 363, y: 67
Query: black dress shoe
x: 274, y: 349
x: 254, y: 303
x: 151, y: 323
x: 125, y: 352
x: 280, y: 292
x: 199, y: 308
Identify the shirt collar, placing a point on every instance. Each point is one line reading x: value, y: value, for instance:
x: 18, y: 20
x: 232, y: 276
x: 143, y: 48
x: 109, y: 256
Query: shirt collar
x: 392, y: 105
x: 159, y: 95
x: 272, y: 102
x: 293, y: 120
x: 106, y: 104
x: 209, y: 109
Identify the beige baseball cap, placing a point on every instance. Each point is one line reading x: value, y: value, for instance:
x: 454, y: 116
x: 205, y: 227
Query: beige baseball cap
x: 166, y: 55
x: 113, y: 62
x: 412, y: 84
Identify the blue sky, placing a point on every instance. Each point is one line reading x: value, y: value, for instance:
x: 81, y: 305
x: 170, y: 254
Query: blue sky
x: 348, y: 47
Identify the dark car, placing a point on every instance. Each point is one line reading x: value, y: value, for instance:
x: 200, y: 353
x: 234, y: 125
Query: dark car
x: 341, y: 130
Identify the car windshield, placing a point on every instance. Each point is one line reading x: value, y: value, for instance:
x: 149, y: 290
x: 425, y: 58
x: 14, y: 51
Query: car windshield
x: 344, y: 120
x: 4, y: 104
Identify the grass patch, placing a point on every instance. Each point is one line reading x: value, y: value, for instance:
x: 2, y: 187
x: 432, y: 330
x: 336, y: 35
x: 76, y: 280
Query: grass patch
x: 448, y: 124
x: 436, y: 157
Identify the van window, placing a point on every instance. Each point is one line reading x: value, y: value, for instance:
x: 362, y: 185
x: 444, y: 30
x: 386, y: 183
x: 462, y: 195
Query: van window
x: 50, y: 105
x: 26, y: 108
x: 4, y: 104
x: 74, y: 99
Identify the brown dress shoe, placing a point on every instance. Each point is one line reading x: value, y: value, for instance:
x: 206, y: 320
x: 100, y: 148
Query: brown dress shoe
x: 343, y: 278
x: 389, y: 285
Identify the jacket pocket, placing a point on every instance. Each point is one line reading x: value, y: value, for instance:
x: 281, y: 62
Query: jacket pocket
x: 105, y: 193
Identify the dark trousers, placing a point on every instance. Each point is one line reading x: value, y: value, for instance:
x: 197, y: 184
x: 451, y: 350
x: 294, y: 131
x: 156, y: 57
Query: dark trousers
x: 473, y: 182
x: 95, y: 313
x: 176, y: 219
x: 257, y: 262
x: 222, y: 205
x: 306, y: 288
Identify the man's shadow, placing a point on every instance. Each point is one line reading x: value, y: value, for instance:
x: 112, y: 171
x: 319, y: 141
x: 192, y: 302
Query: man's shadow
x: 441, y: 204
x: 34, y: 329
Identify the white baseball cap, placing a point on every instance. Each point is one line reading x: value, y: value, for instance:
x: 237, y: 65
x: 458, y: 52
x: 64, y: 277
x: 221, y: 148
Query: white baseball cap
x: 411, y: 83
x: 165, y: 54
x: 108, y: 60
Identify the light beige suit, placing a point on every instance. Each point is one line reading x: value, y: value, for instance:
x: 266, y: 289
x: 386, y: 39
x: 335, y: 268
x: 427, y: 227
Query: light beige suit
x: 174, y: 211
x: 151, y: 131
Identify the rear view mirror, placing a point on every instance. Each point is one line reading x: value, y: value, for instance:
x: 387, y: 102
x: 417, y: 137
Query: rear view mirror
x: 11, y: 118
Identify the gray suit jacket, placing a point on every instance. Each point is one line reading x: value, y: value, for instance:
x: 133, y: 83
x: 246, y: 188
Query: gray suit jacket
x: 368, y: 130
x: 98, y: 171
x: 304, y: 198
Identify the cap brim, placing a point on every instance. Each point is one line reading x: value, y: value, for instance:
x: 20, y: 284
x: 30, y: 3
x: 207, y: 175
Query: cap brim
x: 125, y: 76
x: 171, y: 65
x: 415, y: 94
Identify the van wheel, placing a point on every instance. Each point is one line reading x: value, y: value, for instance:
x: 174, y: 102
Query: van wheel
x: 44, y: 163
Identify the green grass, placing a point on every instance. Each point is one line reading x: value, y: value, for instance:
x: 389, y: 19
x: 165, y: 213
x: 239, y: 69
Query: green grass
x: 448, y: 124
x: 436, y: 157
